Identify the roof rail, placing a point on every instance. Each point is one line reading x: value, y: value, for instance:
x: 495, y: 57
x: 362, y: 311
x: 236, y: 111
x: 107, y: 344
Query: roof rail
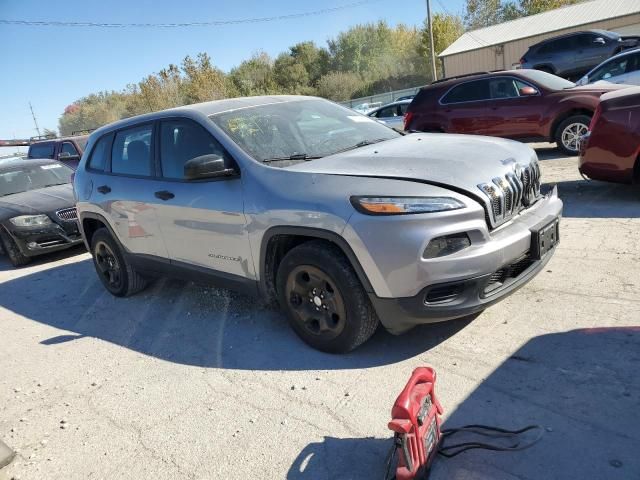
x: 41, y: 137
x: 466, y: 75
x: 85, y: 131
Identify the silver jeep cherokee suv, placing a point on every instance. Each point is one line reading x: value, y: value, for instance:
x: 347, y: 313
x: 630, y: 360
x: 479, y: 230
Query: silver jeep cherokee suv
x: 343, y: 221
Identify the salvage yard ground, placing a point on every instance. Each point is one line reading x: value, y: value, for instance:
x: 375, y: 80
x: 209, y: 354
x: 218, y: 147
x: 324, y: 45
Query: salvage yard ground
x: 189, y: 382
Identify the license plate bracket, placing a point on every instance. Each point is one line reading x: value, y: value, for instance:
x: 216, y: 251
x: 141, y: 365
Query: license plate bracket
x: 544, y: 237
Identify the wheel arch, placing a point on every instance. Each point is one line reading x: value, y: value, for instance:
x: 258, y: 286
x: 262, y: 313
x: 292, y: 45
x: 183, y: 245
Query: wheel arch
x: 279, y: 240
x: 89, y: 223
x: 563, y: 116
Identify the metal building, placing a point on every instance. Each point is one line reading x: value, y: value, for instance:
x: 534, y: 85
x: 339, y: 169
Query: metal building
x: 501, y: 46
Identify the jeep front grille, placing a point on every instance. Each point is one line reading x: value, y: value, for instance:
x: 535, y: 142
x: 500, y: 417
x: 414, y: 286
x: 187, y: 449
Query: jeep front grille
x: 511, y: 193
x: 68, y: 214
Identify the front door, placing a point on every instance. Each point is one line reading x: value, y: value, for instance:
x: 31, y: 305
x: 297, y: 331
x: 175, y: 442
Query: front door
x: 514, y: 115
x: 468, y: 108
x: 202, y: 222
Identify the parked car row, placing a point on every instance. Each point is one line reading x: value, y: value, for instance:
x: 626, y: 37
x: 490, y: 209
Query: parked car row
x: 573, y: 54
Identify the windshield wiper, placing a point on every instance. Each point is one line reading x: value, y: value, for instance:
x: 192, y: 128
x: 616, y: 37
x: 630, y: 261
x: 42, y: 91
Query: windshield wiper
x: 53, y: 184
x: 363, y: 143
x: 295, y: 156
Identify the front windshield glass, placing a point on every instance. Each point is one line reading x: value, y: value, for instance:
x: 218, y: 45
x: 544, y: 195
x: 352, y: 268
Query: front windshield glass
x: 547, y: 80
x: 25, y: 178
x: 299, y: 130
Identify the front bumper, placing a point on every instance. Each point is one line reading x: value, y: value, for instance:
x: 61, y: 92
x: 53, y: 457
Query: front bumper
x: 469, y: 297
x: 408, y: 289
x: 34, y: 241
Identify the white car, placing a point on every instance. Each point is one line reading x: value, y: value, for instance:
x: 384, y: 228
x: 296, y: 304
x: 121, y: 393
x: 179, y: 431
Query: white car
x: 391, y: 114
x: 622, y: 68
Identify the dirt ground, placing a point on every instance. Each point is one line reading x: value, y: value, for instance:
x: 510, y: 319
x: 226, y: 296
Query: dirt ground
x: 188, y: 382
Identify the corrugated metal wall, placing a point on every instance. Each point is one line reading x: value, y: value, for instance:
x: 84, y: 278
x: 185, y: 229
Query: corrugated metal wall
x: 497, y: 57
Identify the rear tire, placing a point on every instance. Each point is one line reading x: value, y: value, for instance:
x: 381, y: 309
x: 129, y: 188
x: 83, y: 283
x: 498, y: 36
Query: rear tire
x: 11, y: 249
x: 323, y: 298
x: 569, y: 132
x: 116, y: 274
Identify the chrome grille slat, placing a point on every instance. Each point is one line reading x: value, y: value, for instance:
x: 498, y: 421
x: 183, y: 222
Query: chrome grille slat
x: 68, y: 214
x: 511, y: 193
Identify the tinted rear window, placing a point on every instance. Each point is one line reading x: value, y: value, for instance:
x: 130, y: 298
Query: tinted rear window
x: 468, y: 92
x: 41, y: 150
x: 100, y: 153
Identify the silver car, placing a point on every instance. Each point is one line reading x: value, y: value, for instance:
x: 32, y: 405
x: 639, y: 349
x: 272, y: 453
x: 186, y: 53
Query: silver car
x: 623, y: 68
x: 392, y: 114
x: 343, y: 221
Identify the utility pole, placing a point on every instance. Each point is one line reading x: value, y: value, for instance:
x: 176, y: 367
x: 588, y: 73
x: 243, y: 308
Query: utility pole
x: 432, y: 47
x: 34, y: 119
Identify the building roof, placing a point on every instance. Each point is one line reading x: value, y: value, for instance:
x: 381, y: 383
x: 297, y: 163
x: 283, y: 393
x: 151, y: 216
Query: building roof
x: 571, y: 16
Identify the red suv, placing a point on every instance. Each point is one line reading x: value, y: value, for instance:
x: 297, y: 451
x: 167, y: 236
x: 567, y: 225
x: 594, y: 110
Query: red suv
x: 611, y: 149
x: 519, y: 104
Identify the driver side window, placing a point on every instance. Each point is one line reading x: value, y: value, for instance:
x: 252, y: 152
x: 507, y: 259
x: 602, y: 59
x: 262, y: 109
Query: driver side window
x: 182, y: 140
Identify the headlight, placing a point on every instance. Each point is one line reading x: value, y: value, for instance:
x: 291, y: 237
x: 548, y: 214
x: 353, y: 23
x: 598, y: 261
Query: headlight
x: 404, y: 205
x: 30, y: 220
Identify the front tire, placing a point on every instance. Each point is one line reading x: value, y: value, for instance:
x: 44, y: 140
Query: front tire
x: 116, y: 274
x: 16, y: 257
x: 324, y: 299
x: 569, y: 132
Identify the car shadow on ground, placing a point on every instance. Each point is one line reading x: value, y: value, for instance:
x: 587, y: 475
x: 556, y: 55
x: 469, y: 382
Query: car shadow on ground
x: 192, y: 324
x: 594, y: 199
x: 581, y: 386
x: 550, y: 152
x: 5, y: 265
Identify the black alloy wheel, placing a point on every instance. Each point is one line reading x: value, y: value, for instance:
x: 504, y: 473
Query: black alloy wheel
x: 108, y: 266
x: 316, y: 304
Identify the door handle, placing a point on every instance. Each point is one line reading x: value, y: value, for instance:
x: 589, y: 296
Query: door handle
x: 104, y: 189
x: 164, y: 195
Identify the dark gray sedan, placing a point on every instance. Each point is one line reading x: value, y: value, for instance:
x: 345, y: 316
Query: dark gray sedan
x: 37, y: 212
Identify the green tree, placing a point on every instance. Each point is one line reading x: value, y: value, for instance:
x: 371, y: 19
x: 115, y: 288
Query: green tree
x: 339, y: 86
x: 255, y: 76
x: 531, y: 7
x: 447, y: 29
x: 482, y: 13
x: 202, y: 81
x: 291, y: 76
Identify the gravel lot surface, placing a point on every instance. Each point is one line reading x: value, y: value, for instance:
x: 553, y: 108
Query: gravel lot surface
x: 188, y: 382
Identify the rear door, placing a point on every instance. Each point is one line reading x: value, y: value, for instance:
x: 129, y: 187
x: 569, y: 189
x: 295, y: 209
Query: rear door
x: 69, y: 155
x: 123, y: 177
x: 467, y: 107
x: 591, y: 49
x: 202, y: 221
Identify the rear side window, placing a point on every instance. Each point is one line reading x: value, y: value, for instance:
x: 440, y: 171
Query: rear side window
x: 388, y: 112
x: 69, y: 148
x: 100, y: 153
x: 551, y: 47
x: 41, y: 150
x: 468, y: 92
x: 183, y: 140
x: 131, y: 154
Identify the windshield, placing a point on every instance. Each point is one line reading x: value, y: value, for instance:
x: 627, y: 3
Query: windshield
x: 299, y: 130
x: 547, y: 80
x: 25, y: 178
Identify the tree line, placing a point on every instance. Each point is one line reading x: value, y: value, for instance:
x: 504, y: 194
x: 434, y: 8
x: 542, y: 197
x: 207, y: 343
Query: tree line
x: 364, y: 60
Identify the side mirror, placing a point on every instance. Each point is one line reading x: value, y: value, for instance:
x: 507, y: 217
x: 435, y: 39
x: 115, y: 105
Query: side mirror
x: 67, y: 156
x: 599, y: 41
x: 207, y: 166
x: 527, y: 91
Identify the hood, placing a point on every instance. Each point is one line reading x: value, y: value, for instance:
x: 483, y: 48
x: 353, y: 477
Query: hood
x: 461, y: 161
x: 598, y: 87
x: 43, y: 200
